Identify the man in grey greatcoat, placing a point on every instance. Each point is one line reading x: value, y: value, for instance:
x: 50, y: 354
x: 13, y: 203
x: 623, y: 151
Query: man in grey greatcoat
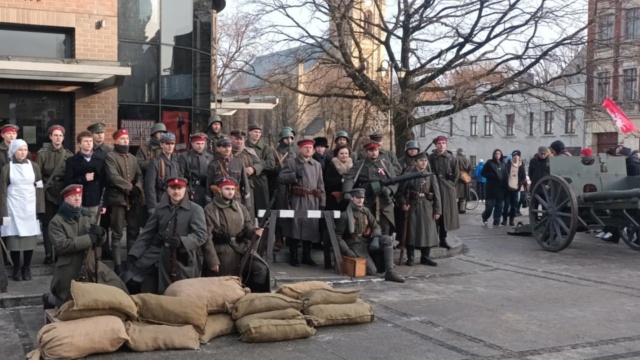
x: 463, y: 188
x: 267, y: 157
x: 304, y: 176
x: 194, y: 164
x: 164, y: 167
x: 254, y: 168
x: 177, y: 226
x: 225, y: 164
x: 445, y: 166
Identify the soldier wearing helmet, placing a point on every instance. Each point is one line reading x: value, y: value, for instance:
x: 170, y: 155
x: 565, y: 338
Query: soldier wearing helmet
x: 214, y: 133
x: 152, y: 149
x: 411, y: 149
x: 342, y: 139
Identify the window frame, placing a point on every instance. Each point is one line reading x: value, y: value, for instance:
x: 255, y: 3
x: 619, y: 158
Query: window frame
x: 423, y: 130
x: 605, y: 21
x: 69, y: 33
x: 570, y: 121
x: 603, y: 85
x: 632, y: 17
x: 548, y: 122
x: 531, y: 122
x: 488, y: 125
x: 473, y: 131
x: 630, y: 85
x: 511, y: 123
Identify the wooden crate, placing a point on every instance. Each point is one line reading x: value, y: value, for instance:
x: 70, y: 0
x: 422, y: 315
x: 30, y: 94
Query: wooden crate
x: 355, y: 267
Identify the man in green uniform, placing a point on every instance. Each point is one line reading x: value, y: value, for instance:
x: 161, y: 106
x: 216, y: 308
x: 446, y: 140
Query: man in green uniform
x: 99, y: 146
x: 194, y: 164
x: 268, y: 162
x: 411, y: 149
x: 164, y: 167
x: 254, y: 169
x: 384, y: 154
x: 225, y: 164
x: 152, y: 149
x: 214, y: 133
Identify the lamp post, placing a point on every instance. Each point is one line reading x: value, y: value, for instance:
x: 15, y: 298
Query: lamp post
x: 401, y: 72
x: 216, y: 7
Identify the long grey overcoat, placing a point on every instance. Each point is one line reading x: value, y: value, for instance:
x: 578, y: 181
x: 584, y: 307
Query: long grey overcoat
x: 422, y: 226
x: 445, y: 166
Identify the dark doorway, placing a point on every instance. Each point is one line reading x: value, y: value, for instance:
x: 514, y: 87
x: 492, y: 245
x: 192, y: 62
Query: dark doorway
x: 606, y: 141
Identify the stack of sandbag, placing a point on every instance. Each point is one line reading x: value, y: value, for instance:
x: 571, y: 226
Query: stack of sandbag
x: 269, y: 317
x: 217, y: 293
x: 324, y: 307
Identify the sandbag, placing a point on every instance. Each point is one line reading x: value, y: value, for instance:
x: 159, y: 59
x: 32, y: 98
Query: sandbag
x: 67, y: 313
x: 330, y: 296
x: 216, y: 291
x: 242, y: 324
x: 262, y: 302
x: 150, y: 337
x: 325, y: 315
x: 217, y: 325
x: 170, y: 310
x: 295, y: 290
x: 262, y: 330
x: 79, y: 338
x: 92, y: 296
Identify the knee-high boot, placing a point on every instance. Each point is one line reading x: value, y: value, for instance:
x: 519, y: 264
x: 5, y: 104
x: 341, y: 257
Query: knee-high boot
x: 424, y: 257
x: 306, y: 254
x: 390, y: 275
x: 293, y: 252
x: 410, y: 255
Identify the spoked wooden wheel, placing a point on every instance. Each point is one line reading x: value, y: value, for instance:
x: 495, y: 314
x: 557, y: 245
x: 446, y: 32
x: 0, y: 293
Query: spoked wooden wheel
x: 630, y: 234
x: 553, y: 213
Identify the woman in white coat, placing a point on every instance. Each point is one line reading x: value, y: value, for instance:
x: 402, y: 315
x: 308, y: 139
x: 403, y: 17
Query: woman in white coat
x: 21, y: 200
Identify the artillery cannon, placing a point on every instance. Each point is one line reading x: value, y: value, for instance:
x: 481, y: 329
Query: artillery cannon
x: 577, y: 197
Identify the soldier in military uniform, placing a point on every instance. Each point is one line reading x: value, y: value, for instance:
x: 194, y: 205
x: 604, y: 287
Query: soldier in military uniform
x: 384, y: 154
x: 359, y: 235
x: 284, y: 151
x: 164, y: 167
x: 99, y: 146
x: 123, y: 194
x: 176, y: 227
x: 445, y: 166
x: 420, y: 200
x: 74, y: 232
x: 152, y: 149
x: 229, y: 229
x: 194, y: 164
x: 462, y: 188
x: 214, y: 133
x: 411, y: 149
x: 9, y: 133
x: 225, y: 164
x: 304, y: 176
x: 254, y: 169
x: 267, y: 159
x: 342, y: 139
x: 369, y: 173
x: 51, y: 160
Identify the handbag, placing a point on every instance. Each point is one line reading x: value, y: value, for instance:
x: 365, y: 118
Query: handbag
x: 465, y: 177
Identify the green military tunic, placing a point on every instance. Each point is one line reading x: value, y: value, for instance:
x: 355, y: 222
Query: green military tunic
x: 158, y: 170
x: 260, y: 181
x: 52, y: 165
x: 123, y: 173
x: 103, y: 149
x: 281, y: 154
x: 212, y: 139
x: 4, y: 154
x: 148, y: 152
x: 423, y: 197
x: 230, y: 167
x: 194, y: 167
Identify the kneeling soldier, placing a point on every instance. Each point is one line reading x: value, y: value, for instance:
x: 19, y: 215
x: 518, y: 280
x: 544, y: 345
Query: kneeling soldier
x: 169, y: 243
x: 230, y: 227
x: 359, y: 235
x: 73, y: 232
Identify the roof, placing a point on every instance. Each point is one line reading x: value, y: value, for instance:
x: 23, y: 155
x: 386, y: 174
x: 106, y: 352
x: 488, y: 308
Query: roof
x: 314, y: 127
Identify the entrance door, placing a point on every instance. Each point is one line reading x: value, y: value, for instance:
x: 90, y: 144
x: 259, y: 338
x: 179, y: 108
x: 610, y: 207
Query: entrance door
x: 606, y: 141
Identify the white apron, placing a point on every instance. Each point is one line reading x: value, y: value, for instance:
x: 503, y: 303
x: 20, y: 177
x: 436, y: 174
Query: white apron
x: 21, y: 201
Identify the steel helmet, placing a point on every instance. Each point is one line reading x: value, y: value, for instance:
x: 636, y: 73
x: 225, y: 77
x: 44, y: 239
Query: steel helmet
x: 285, y: 134
x: 411, y: 144
x: 158, y: 127
x: 343, y: 134
x: 214, y: 118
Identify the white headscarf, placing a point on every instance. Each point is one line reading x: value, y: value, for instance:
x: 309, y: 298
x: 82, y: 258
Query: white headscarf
x: 15, y: 145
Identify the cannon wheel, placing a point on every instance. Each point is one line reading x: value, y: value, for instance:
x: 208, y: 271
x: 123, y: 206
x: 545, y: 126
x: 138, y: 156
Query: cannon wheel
x: 630, y: 237
x: 553, y: 213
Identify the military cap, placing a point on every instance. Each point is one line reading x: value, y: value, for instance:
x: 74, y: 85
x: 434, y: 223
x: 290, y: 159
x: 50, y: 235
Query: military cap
x: 198, y: 137
x: 223, y: 142
x: 119, y: 133
x: 96, y: 128
x: 305, y: 142
x: 168, y: 137
x: 285, y: 134
x: 371, y: 145
x: 321, y: 141
x: 158, y: 127
x: 238, y: 133
x: 226, y: 181
x: 214, y: 118
x: 357, y: 192
x: 72, y: 190
x: 254, y: 127
x: 54, y: 128
x: 376, y: 137
x: 439, y: 139
x: 9, y: 128
x: 176, y: 181
x: 343, y: 134
x: 421, y: 155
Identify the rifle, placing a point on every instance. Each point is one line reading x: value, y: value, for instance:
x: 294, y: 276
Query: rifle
x: 403, y: 242
x: 253, y: 244
x: 174, y: 252
x: 377, y: 185
x: 95, y: 247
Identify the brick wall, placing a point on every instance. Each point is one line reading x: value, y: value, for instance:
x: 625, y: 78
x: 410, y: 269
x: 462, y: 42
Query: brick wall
x: 91, y: 43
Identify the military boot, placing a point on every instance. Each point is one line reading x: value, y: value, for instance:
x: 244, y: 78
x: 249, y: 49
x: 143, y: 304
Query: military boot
x: 16, y: 273
x: 293, y: 253
x: 424, y: 257
x: 26, y: 273
x: 504, y: 221
x: 390, y: 275
x: 117, y: 259
x: 511, y: 221
x: 462, y: 206
x: 306, y: 254
x: 410, y: 255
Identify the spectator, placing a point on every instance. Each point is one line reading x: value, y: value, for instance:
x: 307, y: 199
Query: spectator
x: 321, y: 155
x: 633, y: 163
x: 86, y: 168
x: 558, y: 149
x: 495, y: 172
x: 539, y: 165
x: 516, y: 179
x: 587, y: 156
x: 339, y: 165
x: 480, y: 180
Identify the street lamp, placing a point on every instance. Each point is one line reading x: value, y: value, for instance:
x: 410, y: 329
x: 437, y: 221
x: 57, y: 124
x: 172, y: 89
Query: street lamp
x: 400, y: 73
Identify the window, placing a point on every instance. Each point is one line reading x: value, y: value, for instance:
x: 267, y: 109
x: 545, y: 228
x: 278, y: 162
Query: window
x: 176, y: 17
x: 548, y: 122
x: 450, y: 127
x: 630, y: 87
x: 531, y: 120
x: 570, y: 121
x: 139, y: 20
x: 605, y: 29
x: 632, y: 24
x: 488, y: 125
x: 473, y: 160
x: 28, y: 41
x: 511, y: 121
x: 474, y: 126
x: 423, y: 130
x: 604, y: 85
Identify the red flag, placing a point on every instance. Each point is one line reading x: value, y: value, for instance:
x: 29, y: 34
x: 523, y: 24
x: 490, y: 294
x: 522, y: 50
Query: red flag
x: 622, y: 121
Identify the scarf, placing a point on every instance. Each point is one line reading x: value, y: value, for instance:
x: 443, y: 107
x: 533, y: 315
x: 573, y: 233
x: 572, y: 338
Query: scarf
x: 223, y: 203
x: 341, y: 167
x: 69, y: 212
x: 121, y: 149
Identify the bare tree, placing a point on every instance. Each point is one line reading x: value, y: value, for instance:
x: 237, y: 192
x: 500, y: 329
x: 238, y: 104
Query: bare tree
x: 239, y: 41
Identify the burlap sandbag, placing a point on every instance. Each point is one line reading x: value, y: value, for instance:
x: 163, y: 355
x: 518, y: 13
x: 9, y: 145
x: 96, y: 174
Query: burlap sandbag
x: 330, y: 296
x: 92, y: 296
x: 325, y: 315
x: 262, y: 330
x: 217, y: 325
x: 216, y: 291
x: 297, y: 289
x: 150, y: 337
x: 170, y: 310
x: 262, y: 302
x: 79, y: 338
x: 67, y: 313
x: 242, y: 324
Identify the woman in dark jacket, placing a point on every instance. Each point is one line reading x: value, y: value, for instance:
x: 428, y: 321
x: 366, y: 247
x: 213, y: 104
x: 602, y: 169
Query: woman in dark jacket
x: 340, y: 164
x: 516, y: 180
x: 495, y: 171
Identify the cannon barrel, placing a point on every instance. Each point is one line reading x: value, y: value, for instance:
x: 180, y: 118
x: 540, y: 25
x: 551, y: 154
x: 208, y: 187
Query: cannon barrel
x: 610, y: 195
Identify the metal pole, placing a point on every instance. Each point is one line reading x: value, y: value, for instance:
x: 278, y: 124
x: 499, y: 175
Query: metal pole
x: 391, y: 140
x: 214, y: 56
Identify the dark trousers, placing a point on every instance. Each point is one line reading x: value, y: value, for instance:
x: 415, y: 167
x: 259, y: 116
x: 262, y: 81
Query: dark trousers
x: 442, y: 232
x: 493, y: 205
x: 119, y: 216
x: 50, y: 210
x: 511, y: 204
x: 480, y: 190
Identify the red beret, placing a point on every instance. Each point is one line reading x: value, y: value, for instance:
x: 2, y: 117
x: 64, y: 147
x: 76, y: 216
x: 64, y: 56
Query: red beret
x: 371, y: 145
x: 54, y: 128
x: 177, y: 181
x: 226, y: 181
x: 439, y: 139
x: 71, y: 190
x: 305, y: 142
x: 586, y: 152
x: 119, y: 133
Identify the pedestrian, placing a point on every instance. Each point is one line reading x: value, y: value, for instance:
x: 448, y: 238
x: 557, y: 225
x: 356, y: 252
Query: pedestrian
x: 99, y: 146
x: 539, y: 166
x: 168, y: 245
x: 516, y: 180
x: 254, y: 169
x: 495, y: 172
x: 445, y: 166
x: 420, y: 200
x: 304, y: 176
x: 9, y: 133
x: 151, y: 150
x: 411, y: 149
x: 480, y: 180
x: 123, y: 194
x: 558, y: 149
x: 320, y: 155
x: 464, y: 168
x: 74, y: 232
x: 230, y: 229
x: 338, y: 167
x: 225, y: 164
x: 193, y: 165
x: 21, y: 204
x: 86, y: 168
x: 51, y: 160
x: 360, y: 235
x: 266, y: 155
x: 165, y: 166
x: 587, y: 158
x: 214, y: 134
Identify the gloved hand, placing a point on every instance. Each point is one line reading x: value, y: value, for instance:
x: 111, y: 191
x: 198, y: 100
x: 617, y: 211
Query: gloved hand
x: 350, y: 253
x: 95, y: 239
x: 173, y: 242
x: 386, y: 191
x: 96, y: 230
x: 346, y: 197
x: 375, y: 244
x: 135, y: 193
